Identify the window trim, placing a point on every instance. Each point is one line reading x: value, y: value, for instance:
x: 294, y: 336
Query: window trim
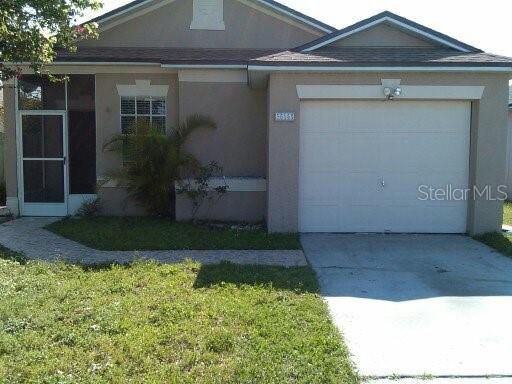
x: 136, y: 115
x: 142, y: 88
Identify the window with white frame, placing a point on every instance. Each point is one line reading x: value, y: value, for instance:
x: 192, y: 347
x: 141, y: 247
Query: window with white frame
x: 139, y: 109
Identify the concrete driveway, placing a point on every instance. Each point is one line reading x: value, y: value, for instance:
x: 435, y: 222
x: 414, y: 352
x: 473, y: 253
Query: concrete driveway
x: 411, y: 305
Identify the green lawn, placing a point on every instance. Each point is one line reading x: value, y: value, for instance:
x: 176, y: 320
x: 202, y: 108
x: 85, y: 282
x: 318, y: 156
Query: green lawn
x: 151, y: 323
x: 145, y: 234
x: 500, y: 241
x: 507, y: 213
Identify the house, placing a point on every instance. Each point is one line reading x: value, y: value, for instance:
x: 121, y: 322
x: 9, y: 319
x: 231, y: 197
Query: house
x: 509, y: 146
x: 383, y: 126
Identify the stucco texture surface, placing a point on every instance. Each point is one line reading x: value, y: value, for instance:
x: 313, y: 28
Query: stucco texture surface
x: 488, y: 140
x: 169, y: 26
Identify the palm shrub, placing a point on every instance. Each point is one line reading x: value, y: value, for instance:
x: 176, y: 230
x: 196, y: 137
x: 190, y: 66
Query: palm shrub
x: 154, y: 162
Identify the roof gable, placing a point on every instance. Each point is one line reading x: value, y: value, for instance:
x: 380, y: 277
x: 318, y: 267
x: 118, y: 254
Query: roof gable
x: 171, y: 26
x: 382, y: 36
x: 137, y: 7
x: 390, y: 19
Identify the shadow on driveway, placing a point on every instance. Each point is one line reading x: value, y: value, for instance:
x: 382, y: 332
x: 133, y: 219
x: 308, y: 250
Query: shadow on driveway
x: 407, y: 267
x: 411, y: 305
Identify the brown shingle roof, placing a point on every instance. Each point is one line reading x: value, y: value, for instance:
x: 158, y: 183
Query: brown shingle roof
x: 383, y: 57
x: 163, y: 55
x: 388, y: 57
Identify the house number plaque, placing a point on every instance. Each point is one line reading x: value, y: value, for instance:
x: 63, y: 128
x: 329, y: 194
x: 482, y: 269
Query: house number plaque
x: 285, y: 116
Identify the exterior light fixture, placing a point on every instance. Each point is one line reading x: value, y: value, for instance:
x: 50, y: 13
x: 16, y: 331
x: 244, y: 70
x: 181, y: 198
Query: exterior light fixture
x: 392, y: 93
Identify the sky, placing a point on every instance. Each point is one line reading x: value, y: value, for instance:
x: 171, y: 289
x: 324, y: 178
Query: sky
x: 484, y: 24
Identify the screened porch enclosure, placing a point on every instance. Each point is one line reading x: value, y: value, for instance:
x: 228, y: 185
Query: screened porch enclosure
x: 56, y: 142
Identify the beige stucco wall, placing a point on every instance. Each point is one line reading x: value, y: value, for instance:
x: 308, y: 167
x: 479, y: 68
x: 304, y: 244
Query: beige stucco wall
x: 488, y: 149
x: 238, y: 144
x: 116, y: 202
x: 169, y: 26
x: 108, y: 124
x: 383, y: 35
x: 233, y: 207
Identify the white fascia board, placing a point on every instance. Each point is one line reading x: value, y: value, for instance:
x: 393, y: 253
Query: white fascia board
x: 107, y: 63
x: 204, y: 66
x: 291, y: 69
x: 376, y: 92
x: 131, y: 9
x: 88, y: 63
x: 293, y: 16
x: 392, y: 21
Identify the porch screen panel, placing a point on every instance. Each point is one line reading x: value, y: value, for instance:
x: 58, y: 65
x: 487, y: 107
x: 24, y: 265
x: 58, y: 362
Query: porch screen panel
x: 82, y: 134
x: 42, y: 136
x: 43, y: 181
x: 43, y: 164
x: 40, y: 93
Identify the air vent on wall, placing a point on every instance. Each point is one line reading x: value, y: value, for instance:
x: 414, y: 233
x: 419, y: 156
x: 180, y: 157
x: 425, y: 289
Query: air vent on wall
x: 208, y: 15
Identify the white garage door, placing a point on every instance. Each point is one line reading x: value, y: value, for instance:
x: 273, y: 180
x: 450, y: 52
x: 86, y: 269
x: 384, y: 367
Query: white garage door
x: 365, y: 166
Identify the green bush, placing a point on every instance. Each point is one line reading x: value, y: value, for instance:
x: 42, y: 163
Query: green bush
x: 154, y: 161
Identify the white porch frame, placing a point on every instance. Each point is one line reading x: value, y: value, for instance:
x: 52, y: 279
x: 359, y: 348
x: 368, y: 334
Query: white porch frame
x: 71, y: 202
x: 41, y: 209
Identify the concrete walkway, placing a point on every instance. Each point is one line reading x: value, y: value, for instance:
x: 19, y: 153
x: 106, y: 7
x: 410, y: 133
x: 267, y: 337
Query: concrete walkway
x: 27, y: 236
x: 416, y: 305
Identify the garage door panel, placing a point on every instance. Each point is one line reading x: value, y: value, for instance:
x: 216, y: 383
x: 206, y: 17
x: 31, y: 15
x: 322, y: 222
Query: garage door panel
x: 444, y: 180
x: 427, y: 116
x: 400, y: 187
x: 360, y: 218
x: 421, y: 152
x: 442, y: 219
x: 356, y: 152
x: 314, y: 144
x: 444, y: 152
x: 378, y: 154
x: 321, y: 187
x: 319, y: 218
x: 359, y: 188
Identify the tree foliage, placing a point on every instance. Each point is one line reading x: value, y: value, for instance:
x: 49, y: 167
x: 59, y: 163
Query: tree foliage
x: 154, y: 162
x: 31, y: 31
